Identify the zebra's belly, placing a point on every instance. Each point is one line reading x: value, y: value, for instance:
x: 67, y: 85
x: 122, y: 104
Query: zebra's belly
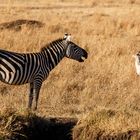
x: 13, y: 78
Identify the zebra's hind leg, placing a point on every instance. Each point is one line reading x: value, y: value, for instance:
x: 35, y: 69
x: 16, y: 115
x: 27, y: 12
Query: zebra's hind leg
x: 30, y: 96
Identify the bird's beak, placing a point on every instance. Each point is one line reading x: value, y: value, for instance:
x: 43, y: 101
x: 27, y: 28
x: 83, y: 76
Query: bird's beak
x: 134, y: 56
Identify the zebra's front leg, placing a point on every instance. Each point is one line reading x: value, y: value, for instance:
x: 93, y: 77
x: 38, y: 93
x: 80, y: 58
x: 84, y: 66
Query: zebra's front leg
x: 30, y: 96
x: 37, y: 86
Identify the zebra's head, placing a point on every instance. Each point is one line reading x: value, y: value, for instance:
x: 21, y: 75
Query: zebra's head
x: 73, y: 51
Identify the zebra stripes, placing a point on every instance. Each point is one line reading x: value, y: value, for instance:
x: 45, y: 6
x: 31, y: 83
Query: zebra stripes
x: 18, y: 68
x: 34, y: 68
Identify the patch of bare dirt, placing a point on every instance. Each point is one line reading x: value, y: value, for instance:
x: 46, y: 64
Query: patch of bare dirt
x: 17, y: 24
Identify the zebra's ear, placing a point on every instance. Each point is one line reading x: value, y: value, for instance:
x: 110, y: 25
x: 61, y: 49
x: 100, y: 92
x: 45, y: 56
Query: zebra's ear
x: 67, y: 37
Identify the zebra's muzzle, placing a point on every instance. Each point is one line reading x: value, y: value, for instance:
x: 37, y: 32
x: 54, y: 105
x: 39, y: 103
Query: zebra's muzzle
x: 82, y: 59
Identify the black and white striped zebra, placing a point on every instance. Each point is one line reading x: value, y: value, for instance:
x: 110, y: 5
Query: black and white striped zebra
x: 34, y: 68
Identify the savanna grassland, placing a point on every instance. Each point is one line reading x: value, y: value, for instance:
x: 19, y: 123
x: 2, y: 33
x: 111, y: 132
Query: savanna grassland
x: 103, y: 93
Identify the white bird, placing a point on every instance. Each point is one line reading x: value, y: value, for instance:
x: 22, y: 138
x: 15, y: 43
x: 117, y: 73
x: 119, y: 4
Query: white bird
x: 137, y: 62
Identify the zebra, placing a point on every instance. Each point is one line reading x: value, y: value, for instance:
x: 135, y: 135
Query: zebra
x: 137, y: 62
x: 34, y: 68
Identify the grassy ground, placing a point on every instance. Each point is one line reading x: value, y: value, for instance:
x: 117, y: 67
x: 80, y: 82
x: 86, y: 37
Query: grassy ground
x: 109, y: 30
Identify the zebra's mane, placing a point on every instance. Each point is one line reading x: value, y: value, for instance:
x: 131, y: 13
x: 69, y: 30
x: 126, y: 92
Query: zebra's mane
x: 48, y: 44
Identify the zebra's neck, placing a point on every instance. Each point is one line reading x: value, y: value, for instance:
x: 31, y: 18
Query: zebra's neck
x: 54, y: 53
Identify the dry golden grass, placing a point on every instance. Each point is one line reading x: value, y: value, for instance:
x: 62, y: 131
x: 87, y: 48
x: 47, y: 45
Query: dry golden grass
x: 108, y: 124
x: 108, y: 30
